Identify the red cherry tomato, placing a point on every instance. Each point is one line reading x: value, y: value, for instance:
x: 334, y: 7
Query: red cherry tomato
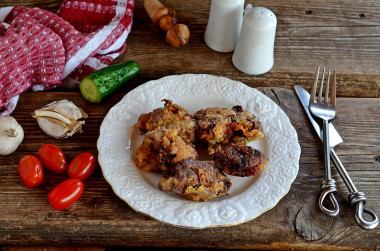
x: 53, y: 158
x: 82, y: 166
x: 66, y: 193
x: 30, y: 171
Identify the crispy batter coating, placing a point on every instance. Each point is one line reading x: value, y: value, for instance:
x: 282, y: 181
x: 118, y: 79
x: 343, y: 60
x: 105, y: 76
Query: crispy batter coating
x: 170, y: 116
x: 239, y: 160
x: 145, y: 157
x: 217, y: 125
x: 246, y: 124
x: 196, y: 180
x: 214, y: 124
x: 170, y: 147
x: 167, y: 149
x: 161, y: 149
x: 237, y: 139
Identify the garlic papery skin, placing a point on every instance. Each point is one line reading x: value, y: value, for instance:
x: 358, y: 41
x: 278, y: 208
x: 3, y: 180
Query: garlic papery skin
x: 11, y: 135
x: 42, y: 113
x: 60, y: 119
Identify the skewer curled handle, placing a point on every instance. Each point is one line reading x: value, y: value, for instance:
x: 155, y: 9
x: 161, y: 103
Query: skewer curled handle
x: 358, y: 199
x: 329, y: 189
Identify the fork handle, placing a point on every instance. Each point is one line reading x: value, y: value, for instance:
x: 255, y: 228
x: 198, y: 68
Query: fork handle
x: 328, y: 185
x: 328, y: 191
x: 326, y: 149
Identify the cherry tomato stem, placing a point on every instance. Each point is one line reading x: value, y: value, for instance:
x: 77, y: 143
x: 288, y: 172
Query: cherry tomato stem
x: 66, y: 193
x: 30, y: 171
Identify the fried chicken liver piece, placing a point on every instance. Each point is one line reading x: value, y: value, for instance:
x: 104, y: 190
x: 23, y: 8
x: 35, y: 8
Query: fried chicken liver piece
x: 214, y: 124
x: 171, y: 116
x: 161, y: 149
x: 238, y: 160
x: 246, y: 124
x: 145, y: 157
x: 196, y: 180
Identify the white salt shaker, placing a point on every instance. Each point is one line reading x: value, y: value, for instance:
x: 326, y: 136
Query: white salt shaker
x: 224, y: 24
x: 254, y: 51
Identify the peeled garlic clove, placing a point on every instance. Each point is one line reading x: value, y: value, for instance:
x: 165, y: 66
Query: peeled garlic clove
x: 60, y: 119
x: 11, y: 135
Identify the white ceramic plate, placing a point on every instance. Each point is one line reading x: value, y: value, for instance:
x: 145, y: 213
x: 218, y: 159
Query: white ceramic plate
x: 248, y: 197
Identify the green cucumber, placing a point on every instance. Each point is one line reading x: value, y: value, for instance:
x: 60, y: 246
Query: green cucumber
x: 103, y: 82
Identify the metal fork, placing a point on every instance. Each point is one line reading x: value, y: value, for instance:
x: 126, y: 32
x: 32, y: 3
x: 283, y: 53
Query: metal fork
x: 325, y: 110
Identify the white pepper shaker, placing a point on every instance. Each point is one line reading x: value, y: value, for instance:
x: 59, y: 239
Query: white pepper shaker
x: 254, y: 51
x: 224, y: 24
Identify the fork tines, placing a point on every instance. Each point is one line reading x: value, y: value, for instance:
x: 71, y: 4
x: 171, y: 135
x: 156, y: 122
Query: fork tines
x: 326, y: 97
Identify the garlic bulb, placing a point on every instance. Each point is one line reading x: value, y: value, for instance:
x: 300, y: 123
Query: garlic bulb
x: 11, y: 135
x: 60, y: 119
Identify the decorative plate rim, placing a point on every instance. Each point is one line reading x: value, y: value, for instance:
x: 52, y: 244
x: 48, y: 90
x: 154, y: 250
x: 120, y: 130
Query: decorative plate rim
x: 128, y: 184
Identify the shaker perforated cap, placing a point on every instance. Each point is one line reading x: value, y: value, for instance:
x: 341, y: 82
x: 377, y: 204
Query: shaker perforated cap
x: 254, y: 51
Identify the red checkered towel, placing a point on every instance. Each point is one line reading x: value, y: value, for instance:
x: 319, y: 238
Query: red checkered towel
x: 41, y: 50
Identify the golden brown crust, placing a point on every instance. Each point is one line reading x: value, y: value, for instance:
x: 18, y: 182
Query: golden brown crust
x: 246, y: 124
x: 167, y: 149
x: 162, y: 148
x: 196, y: 180
x: 171, y: 116
x: 170, y: 148
x: 145, y: 157
x: 217, y: 125
x: 239, y: 160
x: 214, y: 124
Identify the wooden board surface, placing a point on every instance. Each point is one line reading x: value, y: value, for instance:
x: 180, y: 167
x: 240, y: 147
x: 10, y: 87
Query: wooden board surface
x: 339, y: 34
x: 99, y: 217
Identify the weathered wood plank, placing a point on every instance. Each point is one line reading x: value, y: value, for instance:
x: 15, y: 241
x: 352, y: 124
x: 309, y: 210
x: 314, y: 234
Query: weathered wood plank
x: 52, y: 248
x: 101, y: 218
x: 340, y: 34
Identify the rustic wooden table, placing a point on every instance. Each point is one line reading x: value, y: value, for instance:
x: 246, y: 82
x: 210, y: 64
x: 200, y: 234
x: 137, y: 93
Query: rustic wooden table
x: 339, y: 34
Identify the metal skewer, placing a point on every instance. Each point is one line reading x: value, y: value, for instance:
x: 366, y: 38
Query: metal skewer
x: 355, y: 197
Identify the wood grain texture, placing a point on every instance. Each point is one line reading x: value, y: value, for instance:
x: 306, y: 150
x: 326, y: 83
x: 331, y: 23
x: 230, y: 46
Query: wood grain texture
x: 342, y: 34
x: 99, y: 217
x: 52, y: 248
x: 339, y: 34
